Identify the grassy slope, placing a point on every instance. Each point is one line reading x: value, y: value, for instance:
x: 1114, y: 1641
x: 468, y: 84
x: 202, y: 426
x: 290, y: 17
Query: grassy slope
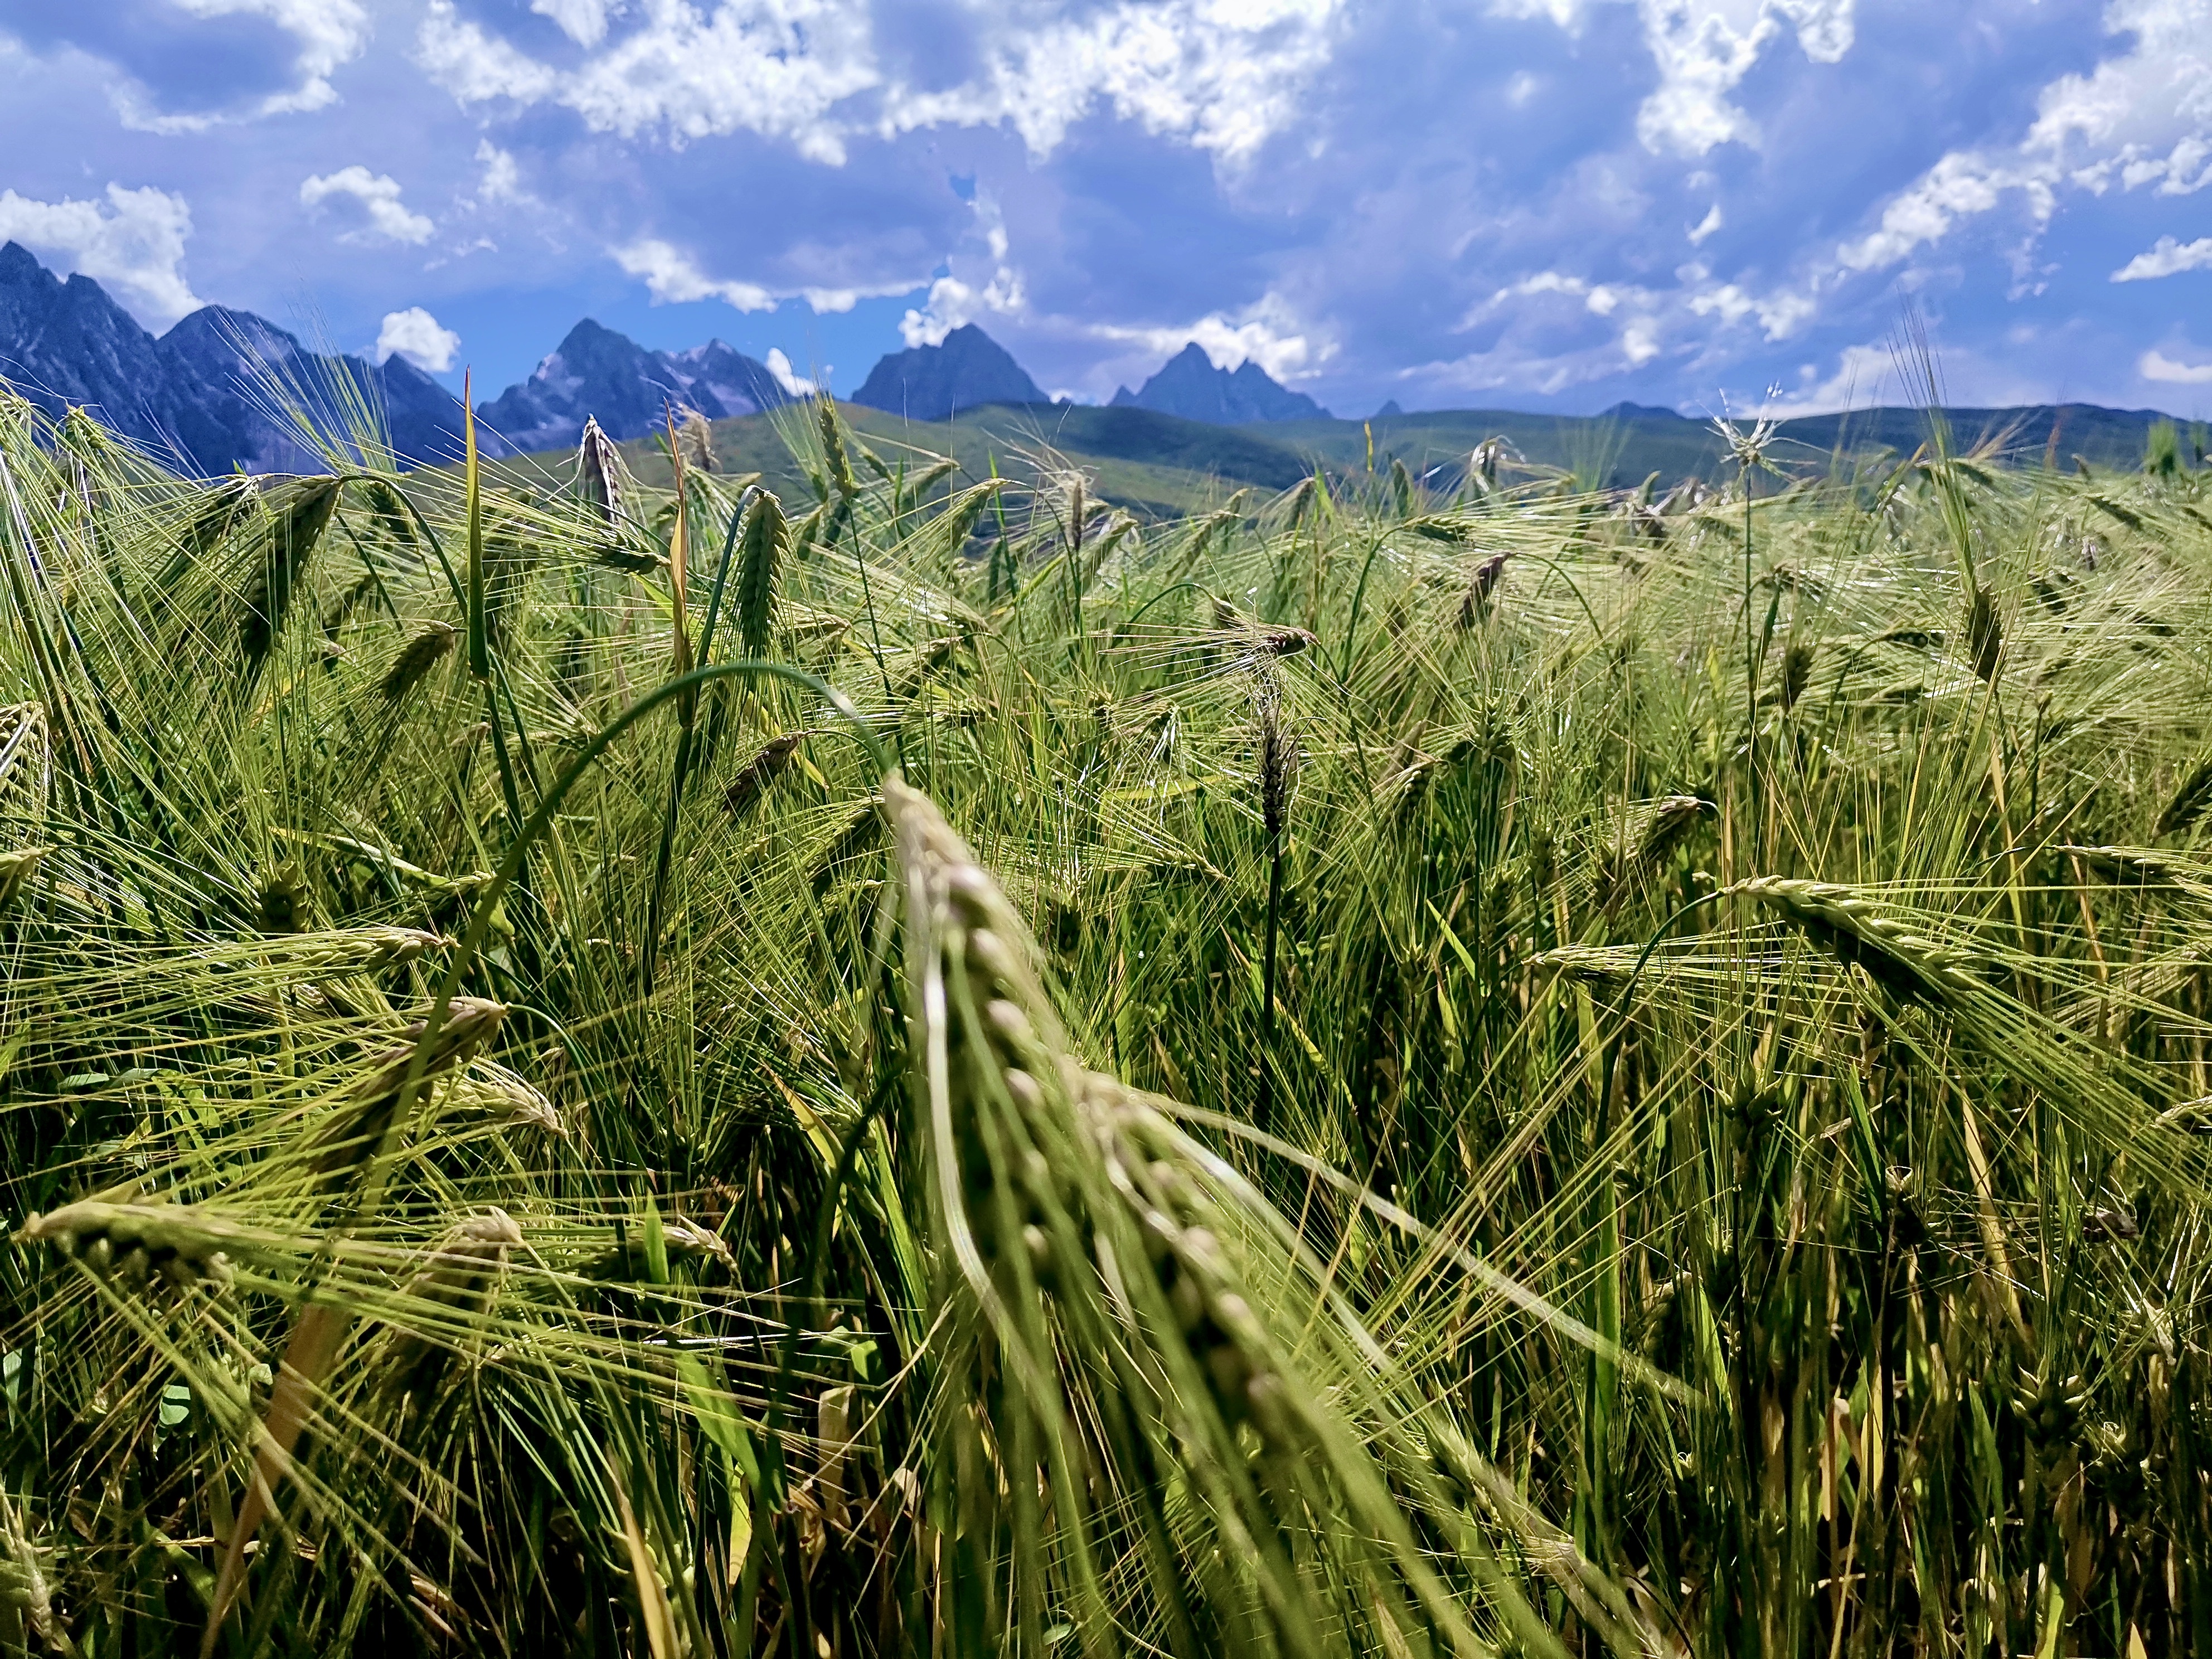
x: 1161, y: 467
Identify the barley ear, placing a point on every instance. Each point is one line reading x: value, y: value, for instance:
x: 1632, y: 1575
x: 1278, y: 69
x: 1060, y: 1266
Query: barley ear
x: 293, y: 536
x: 599, y: 472
x: 760, y: 563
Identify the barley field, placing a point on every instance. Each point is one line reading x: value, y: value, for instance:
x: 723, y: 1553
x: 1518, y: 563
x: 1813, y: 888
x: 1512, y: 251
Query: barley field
x: 932, y: 1067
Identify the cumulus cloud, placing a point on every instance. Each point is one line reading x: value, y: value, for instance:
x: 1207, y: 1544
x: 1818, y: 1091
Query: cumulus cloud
x: 1703, y: 55
x: 415, y: 335
x: 2156, y: 365
x: 673, y: 277
x: 476, y: 67
x: 584, y: 22
x: 795, y: 384
x: 1702, y: 49
x: 2167, y: 257
x: 382, y: 216
x: 330, y: 34
x: 1223, y: 75
x: 953, y: 303
x: 2143, y: 114
x: 500, y: 181
x: 1268, y: 332
x: 132, y: 244
x: 1780, y: 314
x: 778, y: 68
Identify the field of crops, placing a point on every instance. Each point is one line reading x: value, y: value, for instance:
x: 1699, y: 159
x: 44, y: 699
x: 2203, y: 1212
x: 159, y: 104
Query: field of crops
x: 925, y: 1068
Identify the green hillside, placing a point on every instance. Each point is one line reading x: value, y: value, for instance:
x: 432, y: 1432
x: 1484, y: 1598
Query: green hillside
x: 1160, y: 466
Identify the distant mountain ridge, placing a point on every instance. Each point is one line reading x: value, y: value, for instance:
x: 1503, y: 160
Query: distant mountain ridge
x: 1188, y: 384
x: 966, y: 369
x: 600, y: 373
x: 208, y: 393
x: 190, y: 393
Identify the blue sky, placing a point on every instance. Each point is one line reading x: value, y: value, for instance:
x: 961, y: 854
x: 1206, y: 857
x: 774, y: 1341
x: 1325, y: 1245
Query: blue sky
x: 1528, y: 203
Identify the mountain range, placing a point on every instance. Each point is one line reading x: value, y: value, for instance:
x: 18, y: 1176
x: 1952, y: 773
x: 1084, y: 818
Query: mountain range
x: 598, y: 373
x: 1191, y: 387
x: 206, y: 392
x: 220, y: 390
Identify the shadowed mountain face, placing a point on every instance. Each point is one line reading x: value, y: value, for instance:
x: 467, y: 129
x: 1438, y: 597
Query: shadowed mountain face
x: 933, y: 383
x: 200, y: 393
x: 1191, y: 387
x: 596, y: 372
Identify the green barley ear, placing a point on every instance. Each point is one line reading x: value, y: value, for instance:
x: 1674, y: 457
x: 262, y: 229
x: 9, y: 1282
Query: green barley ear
x: 448, y: 1292
x: 1144, y: 1445
x: 755, y: 776
x: 26, y: 1605
x: 140, y: 1244
x: 833, y: 446
x: 1797, y: 672
x: 301, y: 520
x: 219, y: 509
x: 1655, y: 829
x: 387, y: 510
x: 1475, y: 604
x: 2190, y: 797
x: 286, y: 902
x: 426, y: 647
x: 15, y: 869
x: 354, y: 1130
x: 961, y: 512
x: 763, y: 541
x: 1984, y: 635
x: 1402, y: 493
x: 1854, y: 929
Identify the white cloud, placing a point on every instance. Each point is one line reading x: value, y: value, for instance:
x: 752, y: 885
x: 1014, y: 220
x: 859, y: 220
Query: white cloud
x: 2143, y: 114
x: 773, y: 67
x: 1959, y: 186
x: 1223, y: 75
x: 792, y: 383
x: 415, y: 335
x: 1567, y: 14
x: 953, y: 302
x: 331, y: 32
x: 1703, y: 55
x: 1780, y: 314
x: 385, y: 216
x: 132, y: 245
x: 672, y: 276
x: 1862, y: 374
x: 502, y: 180
x: 2167, y: 257
x: 1599, y: 299
x: 1706, y: 225
x: 2157, y: 366
x: 476, y: 67
x: 1267, y: 333
x: 1702, y: 49
x: 584, y: 22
